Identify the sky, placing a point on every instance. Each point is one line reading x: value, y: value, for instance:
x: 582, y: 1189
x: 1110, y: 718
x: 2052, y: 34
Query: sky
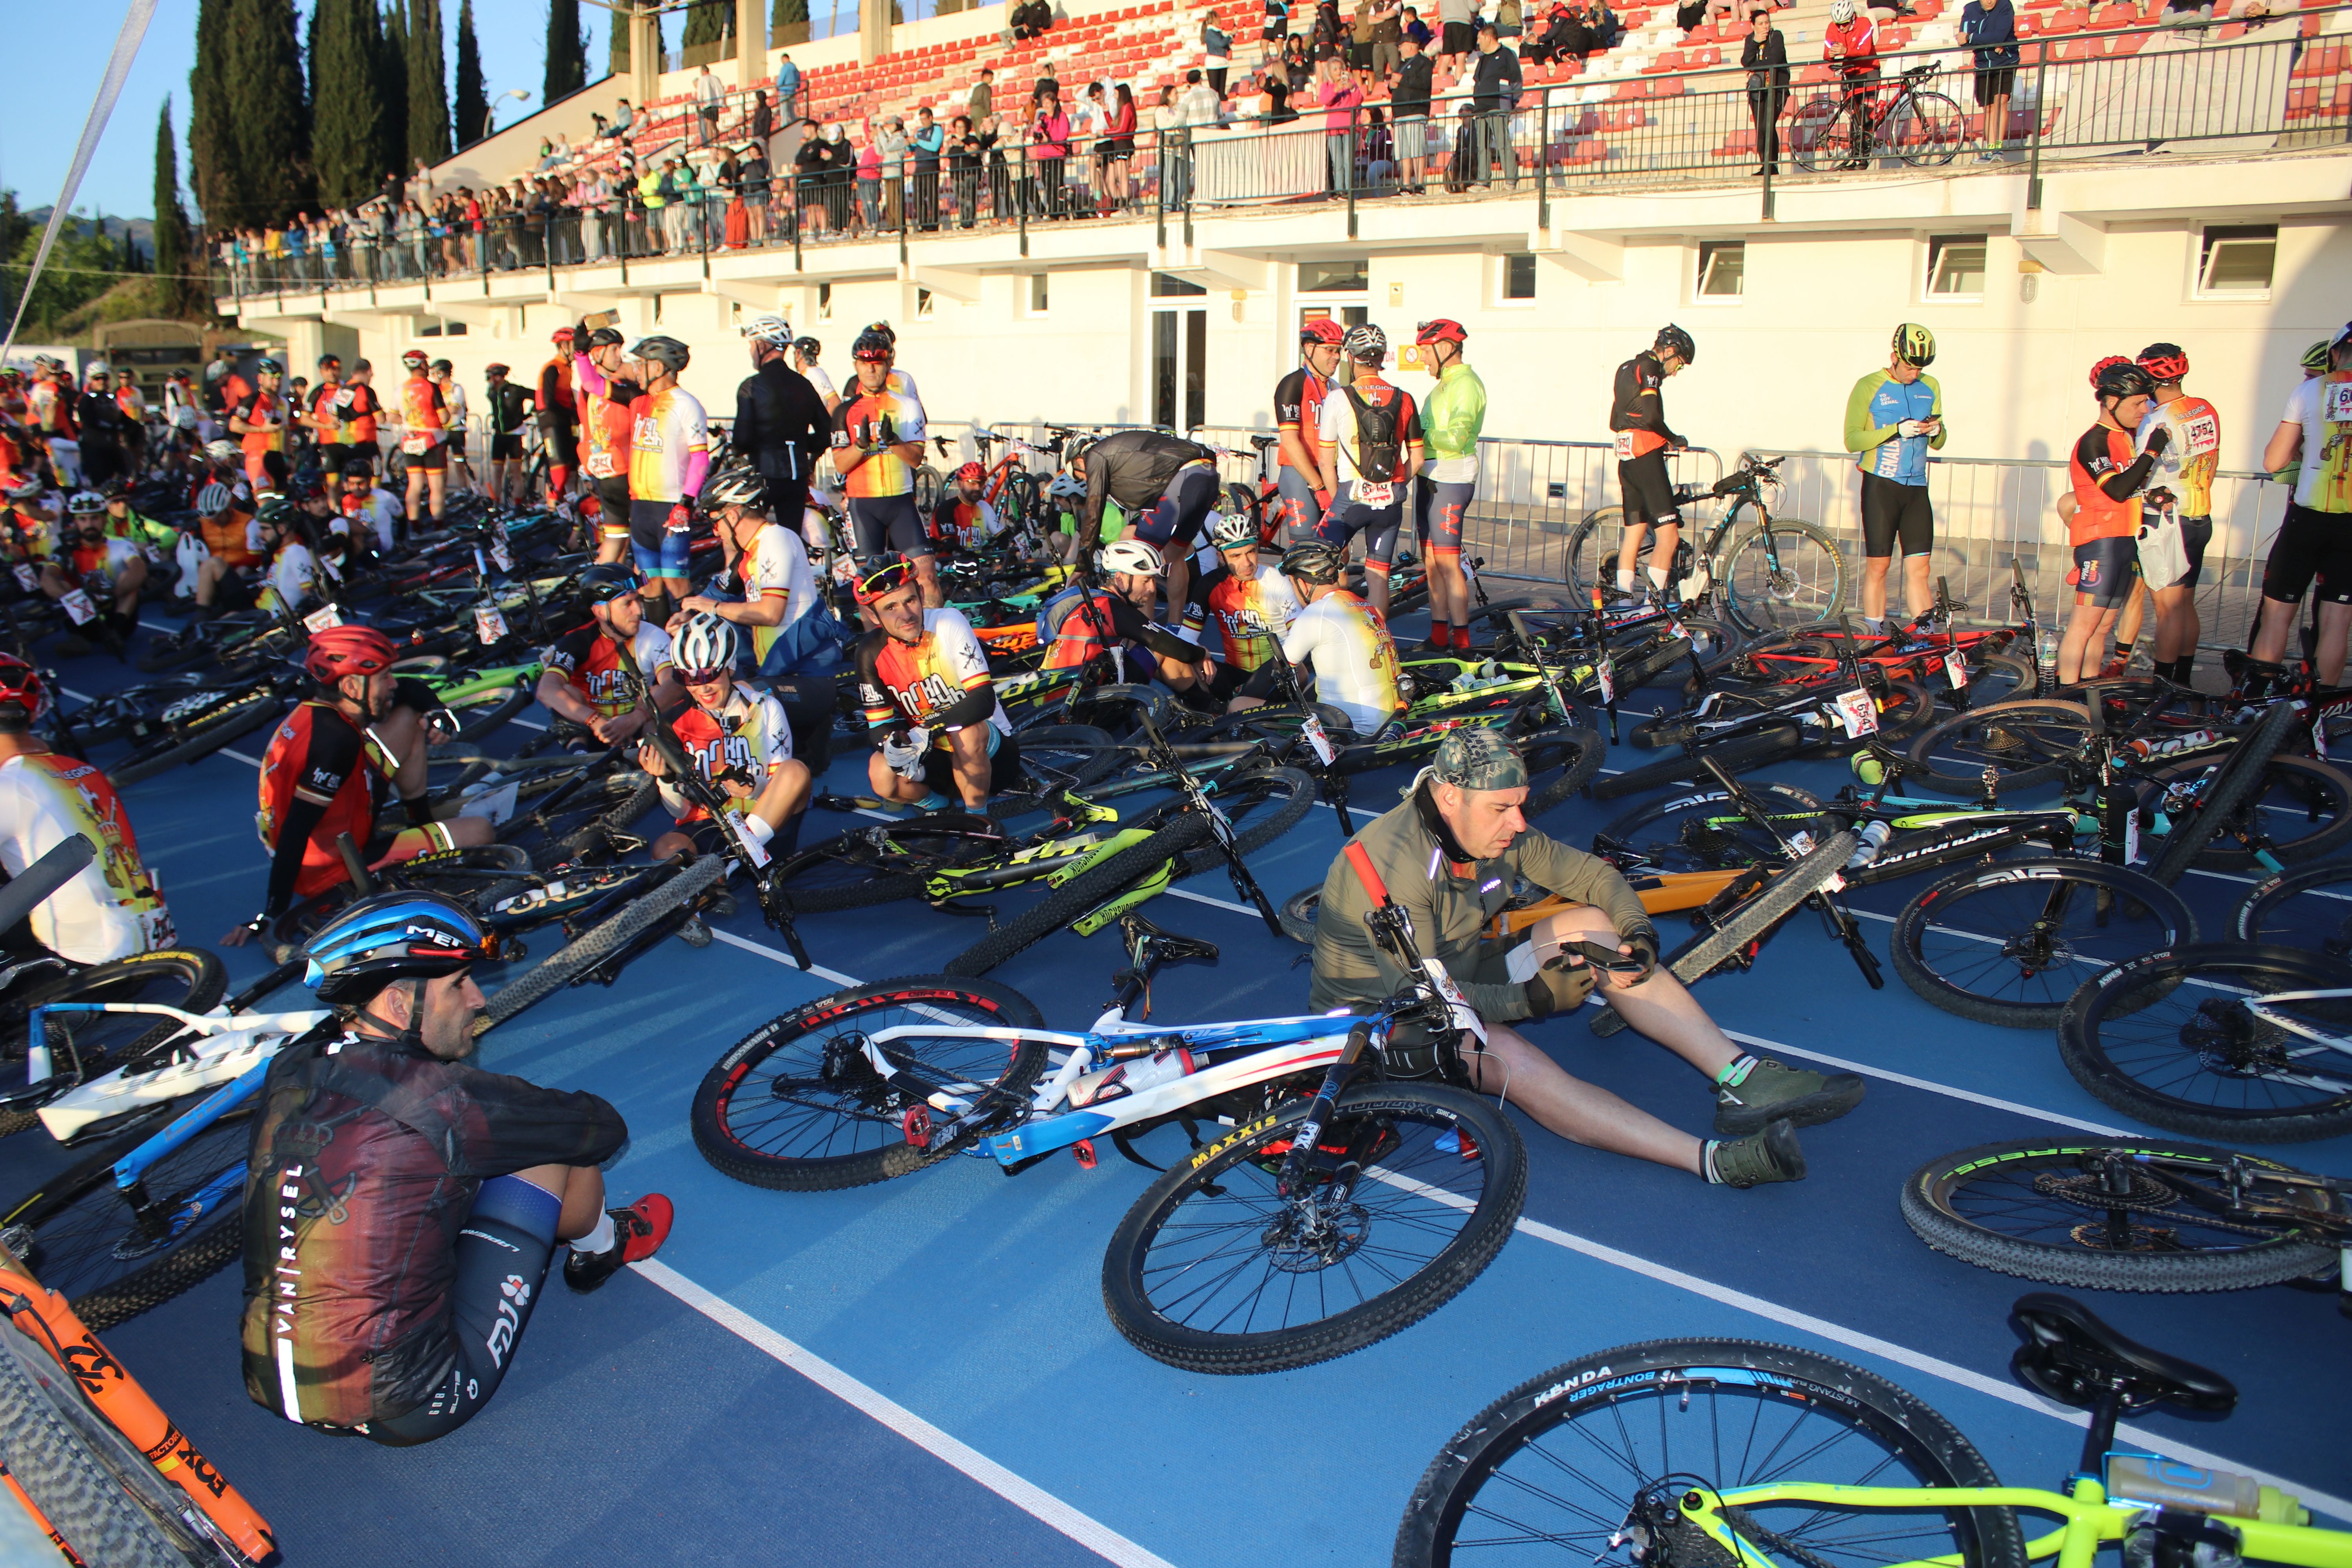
x: 72, y: 46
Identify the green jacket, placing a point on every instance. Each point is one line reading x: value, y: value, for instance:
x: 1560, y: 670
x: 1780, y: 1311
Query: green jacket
x: 1450, y: 907
x: 143, y: 530
x: 1453, y: 415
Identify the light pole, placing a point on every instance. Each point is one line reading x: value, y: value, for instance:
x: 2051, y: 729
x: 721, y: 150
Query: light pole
x: 490, y: 115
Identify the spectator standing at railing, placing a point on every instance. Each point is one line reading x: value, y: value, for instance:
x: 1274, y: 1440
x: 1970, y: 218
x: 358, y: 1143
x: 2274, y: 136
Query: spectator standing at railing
x: 1495, y: 90
x: 1336, y: 95
x: 964, y: 149
x: 1122, y: 146
x: 926, y: 142
x: 869, y: 187
x: 1408, y: 92
x: 756, y: 178
x: 981, y: 101
x: 594, y: 196
x: 811, y: 163
x: 1992, y: 29
x: 1049, y: 137
x: 788, y: 90
x: 1764, y: 55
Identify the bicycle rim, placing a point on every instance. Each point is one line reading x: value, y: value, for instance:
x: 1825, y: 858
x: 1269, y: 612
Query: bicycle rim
x: 2011, y: 944
x: 1701, y: 830
x: 2309, y: 909
x: 87, y: 1244
x: 1928, y: 130
x: 2301, y: 806
x: 2024, y: 742
x: 1808, y: 585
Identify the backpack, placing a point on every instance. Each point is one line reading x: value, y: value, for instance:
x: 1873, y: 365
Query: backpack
x: 1377, y: 445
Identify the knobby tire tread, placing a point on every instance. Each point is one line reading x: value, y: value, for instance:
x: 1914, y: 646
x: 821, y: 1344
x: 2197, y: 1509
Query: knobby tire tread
x: 1080, y: 895
x: 544, y: 979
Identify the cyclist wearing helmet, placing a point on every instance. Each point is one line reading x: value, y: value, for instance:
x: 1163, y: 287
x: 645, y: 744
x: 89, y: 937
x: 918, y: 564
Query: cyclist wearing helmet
x: 2176, y: 523
x: 1850, y: 44
x: 669, y: 458
x: 293, y: 578
x: 782, y: 426
x: 453, y: 397
x: 805, y: 352
x: 50, y: 402
x: 739, y: 739
x: 1336, y: 636
x: 425, y: 418
x: 923, y: 681
x: 1080, y: 624
x: 1251, y: 604
x: 1298, y: 405
x: 559, y: 417
x: 30, y: 530
x: 509, y: 406
x: 601, y: 377
x: 584, y: 681
x: 260, y: 417
x: 374, y: 512
x: 1893, y: 417
x: 877, y: 441
x: 1637, y: 414
x: 2107, y: 478
x: 1366, y: 448
x: 1064, y: 492
x: 108, y: 572
x: 402, y: 1205
x: 1166, y: 487
x: 326, y: 770
x: 319, y: 416
x: 961, y: 521
x: 2315, y: 539
x: 110, y: 910
x: 1450, y: 423
x: 770, y: 589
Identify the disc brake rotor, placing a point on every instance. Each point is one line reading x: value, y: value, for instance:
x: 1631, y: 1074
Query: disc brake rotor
x: 1313, y: 1233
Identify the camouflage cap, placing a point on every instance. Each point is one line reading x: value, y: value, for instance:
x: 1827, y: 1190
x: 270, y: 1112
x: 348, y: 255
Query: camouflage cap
x: 1476, y: 757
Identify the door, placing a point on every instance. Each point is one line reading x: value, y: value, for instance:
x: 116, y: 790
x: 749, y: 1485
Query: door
x: 1179, y: 368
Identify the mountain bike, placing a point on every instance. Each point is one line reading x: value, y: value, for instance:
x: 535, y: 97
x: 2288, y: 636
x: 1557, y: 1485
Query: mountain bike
x: 1701, y: 1453
x: 1332, y: 1210
x: 1926, y: 130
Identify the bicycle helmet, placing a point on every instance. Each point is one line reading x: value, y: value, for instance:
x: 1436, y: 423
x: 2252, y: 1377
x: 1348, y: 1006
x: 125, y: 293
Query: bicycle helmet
x: 23, y: 697
x: 561, y: 335
x: 2118, y: 377
x: 330, y: 362
x: 28, y: 489
x: 347, y: 650
x: 400, y: 935
x: 605, y: 338
x: 2314, y: 358
x: 1132, y: 556
x: 1365, y: 345
x: 601, y: 584
x: 267, y: 366
x: 1915, y: 345
x: 2164, y: 361
x: 220, y: 449
x: 809, y: 347
x: 736, y: 487
x: 214, y: 500
x: 970, y: 474
x: 2343, y: 336
x: 772, y: 329
x: 1067, y: 487
x: 706, y: 644
x: 1841, y: 11
x: 1078, y: 448
x: 1314, y: 562
x: 276, y: 513
x: 666, y: 353
x: 1233, y: 531
x: 872, y: 345
x: 884, y: 331
x: 495, y: 369
x: 415, y: 359
x: 85, y: 503
x: 888, y: 578
x: 1442, y: 331
x: 1671, y: 338
x: 1321, y: 330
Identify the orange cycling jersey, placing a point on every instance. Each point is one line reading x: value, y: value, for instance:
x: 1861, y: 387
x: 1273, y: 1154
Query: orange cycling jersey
x: 224, y: 537
x: 2103, y: 451
x: 320, y: 756
x: 422, y: 410
x: 605, y: 421
x: 748, y: 736
x: 266, y: 412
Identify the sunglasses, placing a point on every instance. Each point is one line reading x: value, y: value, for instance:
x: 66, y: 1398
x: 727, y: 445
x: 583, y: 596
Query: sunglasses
x: 701, y: 677
x: 896, y: 575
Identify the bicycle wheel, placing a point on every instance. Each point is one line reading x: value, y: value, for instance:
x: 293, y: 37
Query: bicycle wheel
x: 172, y: 977
x: 1262, y: 804
x: 2100, y: 1214
x: 559, y: 969
x: 1591, y: 550
x: 2174, y: 1039
x: 1552, y: 1472
x: 1927, y: 129
x: 796, y: 1105
x: 2009, y: 943
x: 2241, y: 779
x: 1214, y: 1271
x: 1297, y: 913
x: 2300, y: 806
x: 1703, y: 831
x: 884, y: 863
x: 1576, y: 751
x: 1080, y: 895
x: 2026, y: 742
x: 2311, y: 907
x: 53, y: 1443
x: 926, y: 488
x: 1067, y: 756
x: 1786, y: 572
x: 160, y: 756
x: 80, y: 1236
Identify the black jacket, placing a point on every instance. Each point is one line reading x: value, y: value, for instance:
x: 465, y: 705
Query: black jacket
x: 1495, y: 79
x: 1133, y: 468
x: 1773, y: 55
x: 781, y: 425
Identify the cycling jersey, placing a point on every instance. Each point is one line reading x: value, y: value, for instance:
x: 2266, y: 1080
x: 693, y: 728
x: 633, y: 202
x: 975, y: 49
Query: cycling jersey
x: 293, y: 576
x: 747, y: 732
x: 1857, y: 40
x: 355, y: 409
x: 1135, y: 468
x: 669, y: 446
x: 2323, y: 406
x: 1341, y: 422
x: 1450, y: 423
x: 424, y: 412
x: 941, y: 681
x: 590, y: 661
x: 967, y: 525
x: 1637, y: 411
x: 380, y: 511
x: 2102, y: 465
x: 318, y: 758
x: 777, y: 567
x: 52, y: 409
x: 1249, y: 613
x: 367, y: 1156
x: 605, y: 421
x: 1355, y: 659
x: 320, y: 410
x: 225, y: 539
x: 1875, y: 413
x: 872, y: 422
x: 97, y: 564
x: 267, y: 411
x: 110, y: 909
x: 1297, y: 399
x: 2191, y: 453
x: 509, y: 407
x: 554, y: 396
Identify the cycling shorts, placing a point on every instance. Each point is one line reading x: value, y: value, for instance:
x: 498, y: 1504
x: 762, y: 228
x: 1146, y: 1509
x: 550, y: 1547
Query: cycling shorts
x: 1300, y: 511
x: 660, y: 552
x: 2196, y: 533
x: 2311, y: 544
x: 1378, y: 524
x: 434, y: 459
x: 788, y: 501
x: 1648, y: 491
x: 1438, y: 507
x: 886, y: 525
x: 332, y: 456
x: 392, y: 848
x: 613, y: 507
x: 501, y: 1257
x: 505, y: 448
x: 2106, y: 570
x: 1891, y: 510
x: 458, y: 442
x: 1004, y: 766
x: 1232, y: 680
x: 1182, y: 507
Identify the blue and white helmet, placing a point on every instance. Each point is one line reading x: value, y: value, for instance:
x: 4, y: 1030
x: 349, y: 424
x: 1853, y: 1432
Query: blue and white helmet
x: 392, y: 936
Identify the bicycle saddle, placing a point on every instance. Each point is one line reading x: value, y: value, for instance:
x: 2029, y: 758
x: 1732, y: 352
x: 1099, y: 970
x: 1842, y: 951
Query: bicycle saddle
x: 2073, y: 1357
x: 1171, y: 948
x: 1263, y: 442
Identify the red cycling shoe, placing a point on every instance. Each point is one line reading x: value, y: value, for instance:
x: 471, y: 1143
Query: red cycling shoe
x: 638, y: 1232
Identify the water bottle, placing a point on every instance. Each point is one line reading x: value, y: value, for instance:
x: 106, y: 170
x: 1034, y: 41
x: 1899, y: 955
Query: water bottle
x: 1874, y: 837
x: 2173, y: 746
x: 2145, y: 1478
x: 1123, y: 1078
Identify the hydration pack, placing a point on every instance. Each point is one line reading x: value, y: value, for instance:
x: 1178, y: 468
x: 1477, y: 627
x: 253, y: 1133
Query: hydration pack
x: 1377, y: 445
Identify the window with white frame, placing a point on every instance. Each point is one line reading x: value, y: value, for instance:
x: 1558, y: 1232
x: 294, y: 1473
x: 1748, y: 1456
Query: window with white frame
x: 1955, y: 266
x: 2235, y: 261
x: 1722, y: 269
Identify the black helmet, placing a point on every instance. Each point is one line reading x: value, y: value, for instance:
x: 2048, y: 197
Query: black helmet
x: 810, y: 348
x: 2121, y: 378
x: 876, y: 342
x: 603, y: 337
x: 666, y: 353
x: 1673, y: 340
x: 1314, y: 562
x: 603, y: 584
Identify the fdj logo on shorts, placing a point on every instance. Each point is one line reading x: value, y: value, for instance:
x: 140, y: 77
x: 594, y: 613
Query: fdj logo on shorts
x: 2090, y: 578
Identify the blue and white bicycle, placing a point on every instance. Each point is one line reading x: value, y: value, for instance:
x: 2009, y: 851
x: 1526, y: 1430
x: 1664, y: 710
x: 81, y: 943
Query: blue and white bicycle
x: 1334, y: 1206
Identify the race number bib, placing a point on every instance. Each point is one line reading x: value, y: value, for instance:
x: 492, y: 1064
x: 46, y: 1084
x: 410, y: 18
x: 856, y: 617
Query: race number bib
x: 501, y: 557
x: 1604, y: 675
x: 1856, y: 714
x: 78, y: 608
x: 601, y: 466
x: 1624, y: 445
x: 2337, y: 406
x: 2201, y: 435
x: 489, y: 623
x: 1312, y: 728
x: 1956, y: 670
x: 1376, y: 495
x: 27, y: 579
x: 323, y: 618
x: 417, y: 444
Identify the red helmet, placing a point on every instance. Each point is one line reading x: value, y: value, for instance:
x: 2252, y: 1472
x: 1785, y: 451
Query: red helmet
x: 347, y: 650
x: 563, y: 335
x: 1442, y: 331
x: 2100, y: 370
x: 2164, y: 361
x: 415, y: 359
x: 21, y: 687
x: 1321, y: 330
x: 888, y: 578
x: 970, y: 474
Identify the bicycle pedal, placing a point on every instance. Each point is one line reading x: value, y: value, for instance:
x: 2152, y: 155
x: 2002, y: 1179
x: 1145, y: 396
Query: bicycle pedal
x: 1084, y: 1152
x: 693, y: 932
x: 916, y: 1125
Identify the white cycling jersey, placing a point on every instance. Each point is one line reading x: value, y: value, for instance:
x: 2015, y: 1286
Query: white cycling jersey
x: 1354, y: 658
x: 110, y: 910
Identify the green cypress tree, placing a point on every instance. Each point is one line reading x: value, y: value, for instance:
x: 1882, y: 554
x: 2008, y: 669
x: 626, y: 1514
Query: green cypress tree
x: 175, y: 292
x: 391, y: 89
x: 211, y: 156
x: 272, y: 131
x: 343, y: 134
x: 473, y: 97
x: 708, y: 22
x: 567, y: 51
x: 428, y: 83
x: 617, y: 44
x: 788, y: 13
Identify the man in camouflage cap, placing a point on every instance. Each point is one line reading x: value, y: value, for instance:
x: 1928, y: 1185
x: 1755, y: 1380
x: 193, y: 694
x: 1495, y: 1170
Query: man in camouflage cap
x: 1449, y: 856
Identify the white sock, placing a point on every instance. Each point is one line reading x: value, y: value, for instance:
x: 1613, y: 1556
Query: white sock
x: 1658, y: 578
x: 1624, y: 580
x: 757, y: 828
x: 600, y: 1239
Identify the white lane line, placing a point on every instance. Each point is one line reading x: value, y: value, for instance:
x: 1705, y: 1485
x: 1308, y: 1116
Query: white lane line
x: 240, y: 756
x: 1758, y: 1043
x: 1213, y: 903
x: 1035, y: 1501
x: 835, y: 975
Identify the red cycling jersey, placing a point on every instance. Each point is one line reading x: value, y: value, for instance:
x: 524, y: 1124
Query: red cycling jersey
x: 1852, y: 46
x: 317, y: 754
x: 2102, y: 450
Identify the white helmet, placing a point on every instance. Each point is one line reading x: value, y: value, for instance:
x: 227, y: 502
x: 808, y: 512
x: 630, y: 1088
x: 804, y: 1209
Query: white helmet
x: 773, y: 331
x: 1134, y: 556
x: 1067, y: 487
x: 1841, y: 11
x: 1233, y: 533
x: 706, y: 643
x: 84, y: 502
x: 736, y: 487
x: 214, y: 500
x: 221, y: 450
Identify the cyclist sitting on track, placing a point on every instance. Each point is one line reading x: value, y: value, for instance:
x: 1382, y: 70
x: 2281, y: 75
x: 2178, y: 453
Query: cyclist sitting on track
x: 962, y: 521
x: 584, y: 681
x: 1450, y: 856
x: 1346, y: 643
x: 1251, y: 605
x: 1369, y: 431
x: 2315, y: 541
x: 1298, y: 405
x: 1451, y: 421
x: 325, y: 772
x: 373, y: 511
x: 1167, y: 487
x: 1850, y: 43
x: 1893, y: 417
x: 1637, y: 414
x: 402, y: 1207
x: 669, y: 458
x: 924, y: 683
x: 108, y: 572
x: 220, y: 534
x: 877, y: 441
x: 1078, y: 623
x: 111, y: 908
x: 768, y: 563
x: 738, y: 741
x: 601, y: 378
x: 293, y: 577
x: 2178, y: 523
x: 2104, y: 527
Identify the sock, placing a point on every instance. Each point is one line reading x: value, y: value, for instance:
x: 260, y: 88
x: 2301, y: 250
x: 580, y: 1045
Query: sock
x: 1658, y: 578
x: 2181, y: 667
x: 1734, y: 1075
x: 757, y: 828
x: 1706, y: 1162
x: 1624, y: 580
x: 933, y: 802
x: 601, y: 1239
x: 1441, y: 633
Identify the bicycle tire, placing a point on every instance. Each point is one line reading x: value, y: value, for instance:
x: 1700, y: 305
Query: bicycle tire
x: 1237, y: 1157
x: 2240, y: 776
x: 1747, y: 607
x: 1802, y: 1384
x: 1297, y: 912
x: 1576, y: 750
x: 194, y: 748
x: 1936, y: 1208
x: 1742, y: 753
x: 1078, y: 895
x: 2268, y: 911
x: 726, y: 1148
x: 878, y: 886
x: 518, y: 698
x: 926, y: 483
x: 1069, y: 756
x: 2038, y: 1003
x: 2017, y: 737
x: 1947, y: 129
x: 2220, y: 1041
x: 1751, y: 921
x: 2326, y: 789
x: 1701, y: 845
x: 1257, y: 829
x: 624, y: 927
x: 84, y: 1499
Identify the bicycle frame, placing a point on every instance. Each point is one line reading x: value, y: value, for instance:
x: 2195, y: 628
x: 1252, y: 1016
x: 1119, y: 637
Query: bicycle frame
x: 2259, y: 1008
x: 229, y: 1046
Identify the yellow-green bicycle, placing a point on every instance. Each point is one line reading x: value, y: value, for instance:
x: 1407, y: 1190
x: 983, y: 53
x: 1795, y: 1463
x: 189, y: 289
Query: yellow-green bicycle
x: 1736, y: 1453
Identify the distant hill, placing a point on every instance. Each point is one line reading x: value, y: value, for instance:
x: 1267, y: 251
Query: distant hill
x: 142, y: 230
